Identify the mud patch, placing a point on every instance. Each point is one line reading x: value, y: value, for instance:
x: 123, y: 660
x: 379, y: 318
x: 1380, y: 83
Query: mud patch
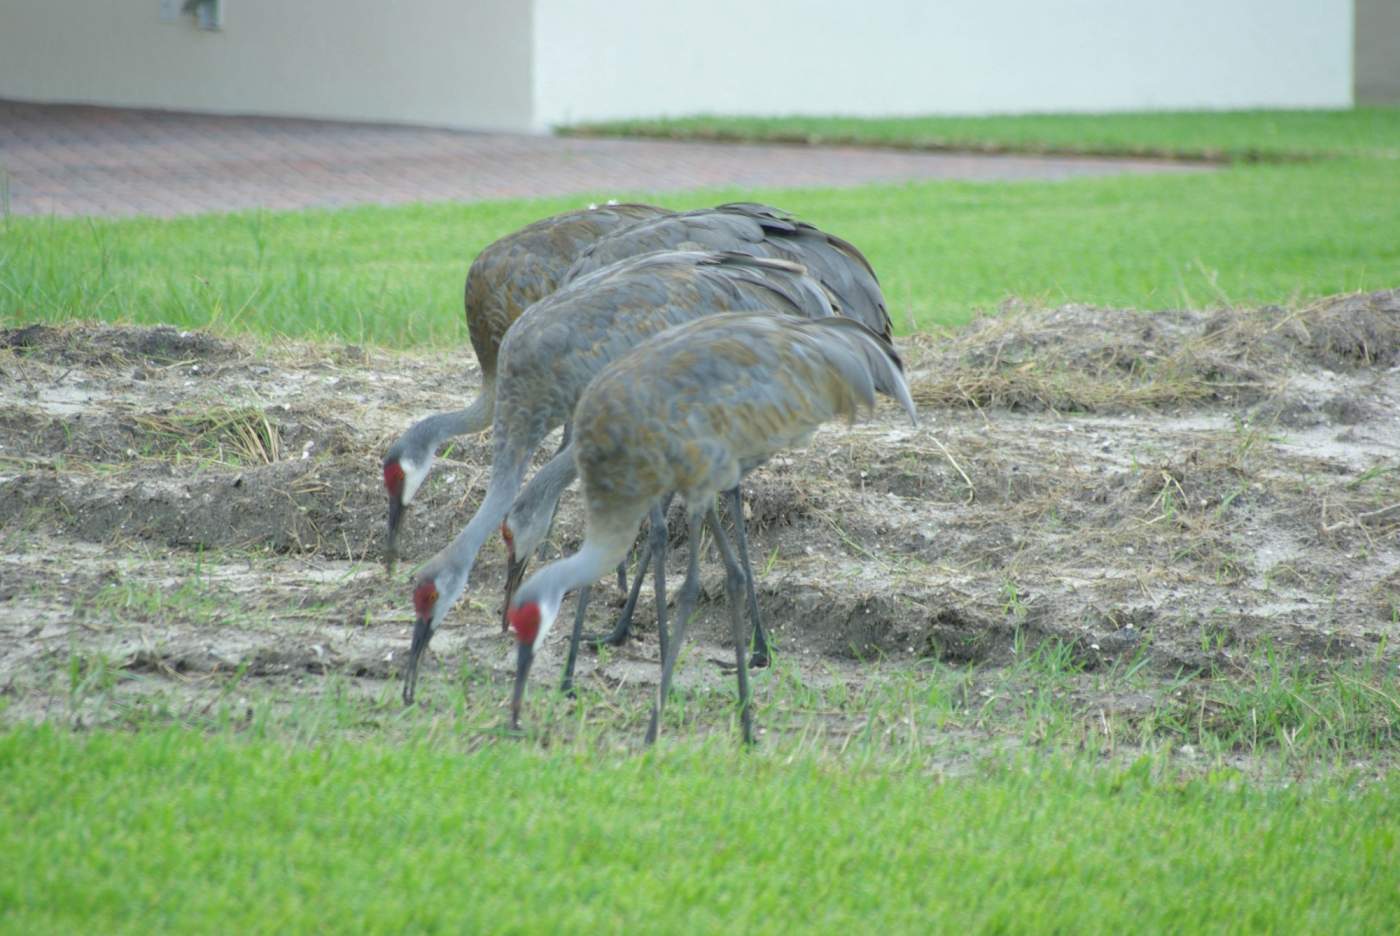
x: 1172, y: 491
x: 86, y: 346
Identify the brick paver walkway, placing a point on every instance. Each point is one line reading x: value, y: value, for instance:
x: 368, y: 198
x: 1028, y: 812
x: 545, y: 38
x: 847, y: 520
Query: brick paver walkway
x: 78, y: 160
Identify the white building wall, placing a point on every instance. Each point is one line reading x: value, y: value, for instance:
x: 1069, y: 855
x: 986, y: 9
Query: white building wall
x: 629, y: 58
x: 532, y: 64
x: 463, y: 63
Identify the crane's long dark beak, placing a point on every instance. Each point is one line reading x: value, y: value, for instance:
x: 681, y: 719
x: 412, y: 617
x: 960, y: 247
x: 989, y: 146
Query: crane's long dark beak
x: 515, y: 573
x: 524, y: 656
x: 422, y: 633
x: 391, y: 542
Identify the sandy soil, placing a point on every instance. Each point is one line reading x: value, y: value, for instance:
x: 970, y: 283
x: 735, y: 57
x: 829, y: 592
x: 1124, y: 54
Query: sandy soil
x: 1179, y: 488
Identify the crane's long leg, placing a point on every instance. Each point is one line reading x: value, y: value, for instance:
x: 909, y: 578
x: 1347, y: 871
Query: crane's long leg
x: 760, y: 637
x: 658, y: 576
x: 623, y: 628
x: 734, y: 579
x: 576, y: 636
x: 584, y: 593
x: 671, y: 646
x: 656, y: 540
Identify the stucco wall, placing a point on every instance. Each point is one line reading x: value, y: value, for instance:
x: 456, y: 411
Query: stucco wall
x: 641, y: 57
x: 531, y: 64
x: 462, y: 63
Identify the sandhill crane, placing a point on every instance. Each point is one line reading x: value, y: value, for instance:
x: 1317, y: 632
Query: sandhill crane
x: 559, y: 344
x: 759, y: 230
x: 690, y: 412
x: 506, y: 278
x: 526, y: 266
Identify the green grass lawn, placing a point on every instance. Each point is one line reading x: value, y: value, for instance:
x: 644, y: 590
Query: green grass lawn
x: 1364, y: 131
x: 384, y: 823
x: 393, y: 276
x: 167, y: 831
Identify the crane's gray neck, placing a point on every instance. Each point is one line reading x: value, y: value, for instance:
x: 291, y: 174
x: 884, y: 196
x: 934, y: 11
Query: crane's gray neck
x: 558, y: 473
x: 420, y: 443
x: 534, y: 509
x: 452, y: 567
x: 610, y: 535
x: 595, y: 558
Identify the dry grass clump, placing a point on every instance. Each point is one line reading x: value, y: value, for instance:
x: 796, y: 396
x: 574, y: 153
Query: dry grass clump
x: 1085, y: 359
x: 239, y: 435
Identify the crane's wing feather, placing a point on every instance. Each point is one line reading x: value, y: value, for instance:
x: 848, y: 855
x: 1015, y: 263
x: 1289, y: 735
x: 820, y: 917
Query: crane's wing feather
x: 518, y: 270
x: 693, y: 408
x: 758, y: 230
x: 878, y: 359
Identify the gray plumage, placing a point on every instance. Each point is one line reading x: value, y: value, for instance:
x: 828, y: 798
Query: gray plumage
x: 747, y: 227
x: 689, y: 412
x: 562, y: 342
x: 760, y: 231
x: 506, y: 278
x: 694, y: 409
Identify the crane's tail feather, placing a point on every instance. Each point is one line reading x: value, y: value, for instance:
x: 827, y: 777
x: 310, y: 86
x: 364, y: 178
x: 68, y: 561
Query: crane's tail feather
x: 836, y: 262
x: 878, y: 367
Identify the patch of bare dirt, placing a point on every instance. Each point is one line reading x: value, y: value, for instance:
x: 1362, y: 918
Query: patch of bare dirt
x: 1179, y: 488
x: 145, y: 347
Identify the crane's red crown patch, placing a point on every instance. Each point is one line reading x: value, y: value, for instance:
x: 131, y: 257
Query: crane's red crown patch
x: 526, y: 622
x: 424, y: 597
x: 393, y: 477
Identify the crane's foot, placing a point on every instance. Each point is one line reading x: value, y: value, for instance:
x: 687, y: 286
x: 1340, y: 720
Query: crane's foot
x: 755, y: 662
x: 597, y: 642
